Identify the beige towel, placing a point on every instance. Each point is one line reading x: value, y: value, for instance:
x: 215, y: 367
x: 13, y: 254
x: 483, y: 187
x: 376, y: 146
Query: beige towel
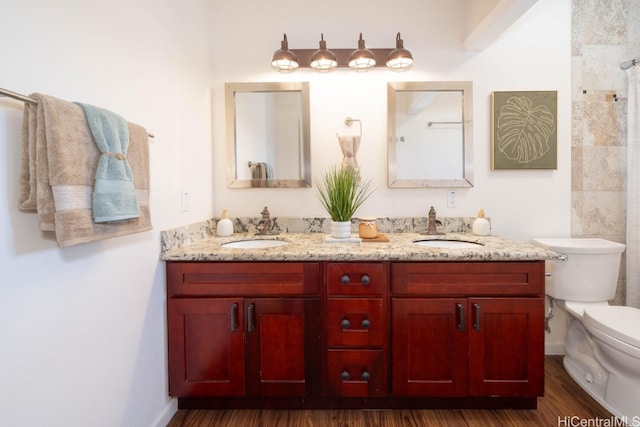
x: 58, y: 164
x: 349, y: 146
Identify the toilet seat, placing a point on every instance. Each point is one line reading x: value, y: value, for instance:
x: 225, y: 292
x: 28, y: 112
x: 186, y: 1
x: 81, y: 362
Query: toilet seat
x: 618, y: 322
x: 578, y: 308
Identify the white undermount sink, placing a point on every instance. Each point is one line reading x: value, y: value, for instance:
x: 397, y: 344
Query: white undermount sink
x: 447, y: 244
x: 254, y: 244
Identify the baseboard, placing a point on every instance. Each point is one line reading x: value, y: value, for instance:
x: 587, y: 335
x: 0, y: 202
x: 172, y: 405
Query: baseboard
x: 362, y: 403
x: 553, y: 349
x: 166, y: 414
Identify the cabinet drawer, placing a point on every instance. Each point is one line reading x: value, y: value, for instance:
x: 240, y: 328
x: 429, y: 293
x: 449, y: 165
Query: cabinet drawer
x: 242, y: 278
x: 358, y: 278
x: 355, y: 322
x: 356, y: 373
x: 463, y: 278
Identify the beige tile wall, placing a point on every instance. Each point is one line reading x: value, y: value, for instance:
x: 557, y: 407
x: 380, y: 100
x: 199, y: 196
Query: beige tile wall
x: 604, y: 33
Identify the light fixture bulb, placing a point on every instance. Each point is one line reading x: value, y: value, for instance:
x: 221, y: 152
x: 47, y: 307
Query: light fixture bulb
x: 323, y: 60
x: 400, y: 59
x: 283, y: 60
x: 362, y: 58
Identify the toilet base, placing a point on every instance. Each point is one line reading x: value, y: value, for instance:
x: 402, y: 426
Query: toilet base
x: 584, y: 368
x: 585, y: 381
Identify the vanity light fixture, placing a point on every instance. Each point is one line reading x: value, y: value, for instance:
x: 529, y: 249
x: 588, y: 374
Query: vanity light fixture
x: 286, y: 60
x: 400, y: 59
x: 323, y: 60
x: 362, y: 58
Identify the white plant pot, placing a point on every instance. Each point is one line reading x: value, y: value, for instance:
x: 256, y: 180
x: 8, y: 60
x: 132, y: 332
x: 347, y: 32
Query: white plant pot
x: 340, y: 229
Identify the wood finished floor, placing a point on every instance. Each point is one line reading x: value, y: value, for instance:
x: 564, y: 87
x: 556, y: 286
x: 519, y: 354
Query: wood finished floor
x: 563, y: 398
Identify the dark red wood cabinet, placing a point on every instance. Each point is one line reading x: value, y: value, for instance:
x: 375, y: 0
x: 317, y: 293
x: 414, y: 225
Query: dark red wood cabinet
x: 453, y: 347
x: 455, y: 334
x: 368, y: 334
x: 430, y: 349
x: 237, y: 329
x: 356, y: 327
x: 206, y: 347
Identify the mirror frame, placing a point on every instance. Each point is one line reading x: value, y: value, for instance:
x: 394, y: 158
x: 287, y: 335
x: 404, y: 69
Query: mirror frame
x: 467, y: 131
x: 230, y: 123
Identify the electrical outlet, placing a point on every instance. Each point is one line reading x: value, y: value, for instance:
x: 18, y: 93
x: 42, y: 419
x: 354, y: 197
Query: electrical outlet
x: 452, y: 199
x: 185, y: 201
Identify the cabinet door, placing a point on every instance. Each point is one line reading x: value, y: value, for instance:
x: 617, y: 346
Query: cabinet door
x: 206, y: 349
x: 506, y: 347
x: 282, y: 346
x: 429, y: 356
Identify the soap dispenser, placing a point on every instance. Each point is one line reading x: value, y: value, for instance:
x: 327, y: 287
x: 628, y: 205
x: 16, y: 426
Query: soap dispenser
x: 224, y: 227
x: 481, y: 226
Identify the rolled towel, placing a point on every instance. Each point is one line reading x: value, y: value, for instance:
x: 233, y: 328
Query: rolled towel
x: 114, y: 194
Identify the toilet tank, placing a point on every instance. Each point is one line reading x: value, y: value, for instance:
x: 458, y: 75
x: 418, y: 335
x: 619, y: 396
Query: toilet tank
x: 590, y: 272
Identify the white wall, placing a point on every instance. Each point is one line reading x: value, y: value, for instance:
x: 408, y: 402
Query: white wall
x: 534, y: 55
x: 83, y: 328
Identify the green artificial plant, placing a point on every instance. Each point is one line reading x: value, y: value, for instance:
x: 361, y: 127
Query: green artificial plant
x: 342, y: 192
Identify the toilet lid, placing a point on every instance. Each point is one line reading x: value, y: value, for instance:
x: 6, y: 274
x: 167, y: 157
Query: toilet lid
x: 617, y: 321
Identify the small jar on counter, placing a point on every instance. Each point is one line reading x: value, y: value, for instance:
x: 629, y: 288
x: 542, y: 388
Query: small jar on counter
x: 368, y: 228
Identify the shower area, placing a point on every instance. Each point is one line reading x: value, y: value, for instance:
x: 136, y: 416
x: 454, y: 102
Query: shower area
x: 605, y: 34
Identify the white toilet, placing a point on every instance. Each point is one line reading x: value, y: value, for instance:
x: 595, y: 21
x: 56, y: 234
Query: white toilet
x: 603, y: 341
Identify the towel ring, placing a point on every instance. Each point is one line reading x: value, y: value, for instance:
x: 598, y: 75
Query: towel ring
x: 349, y: 121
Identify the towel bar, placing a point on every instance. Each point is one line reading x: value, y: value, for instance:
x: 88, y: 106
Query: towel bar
x: 23, y: 98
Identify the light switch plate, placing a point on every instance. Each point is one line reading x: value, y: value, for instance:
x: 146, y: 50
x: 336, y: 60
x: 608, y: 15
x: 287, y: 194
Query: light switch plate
x: 185, y: 201
x: 452, y: 199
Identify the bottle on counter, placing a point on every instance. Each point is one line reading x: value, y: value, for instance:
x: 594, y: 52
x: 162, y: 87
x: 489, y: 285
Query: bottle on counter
x: 481, y: 226
x: 224, y: 227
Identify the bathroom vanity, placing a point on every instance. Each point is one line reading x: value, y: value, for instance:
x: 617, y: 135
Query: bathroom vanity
x: 371, y: 325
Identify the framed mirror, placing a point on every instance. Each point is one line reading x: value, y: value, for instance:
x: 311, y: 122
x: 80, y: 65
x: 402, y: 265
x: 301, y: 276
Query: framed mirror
x: 430, y: 134
x: 268, y: 136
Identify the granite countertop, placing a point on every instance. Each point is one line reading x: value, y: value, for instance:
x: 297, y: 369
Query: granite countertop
x: 401, y: 246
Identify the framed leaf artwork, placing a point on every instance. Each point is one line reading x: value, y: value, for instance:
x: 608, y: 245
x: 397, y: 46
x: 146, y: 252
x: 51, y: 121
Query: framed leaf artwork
x: 524, y: 130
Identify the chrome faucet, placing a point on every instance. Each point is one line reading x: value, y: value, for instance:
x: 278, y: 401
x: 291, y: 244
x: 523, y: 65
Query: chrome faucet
x: 265, y: 226
x: 432, y: 228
